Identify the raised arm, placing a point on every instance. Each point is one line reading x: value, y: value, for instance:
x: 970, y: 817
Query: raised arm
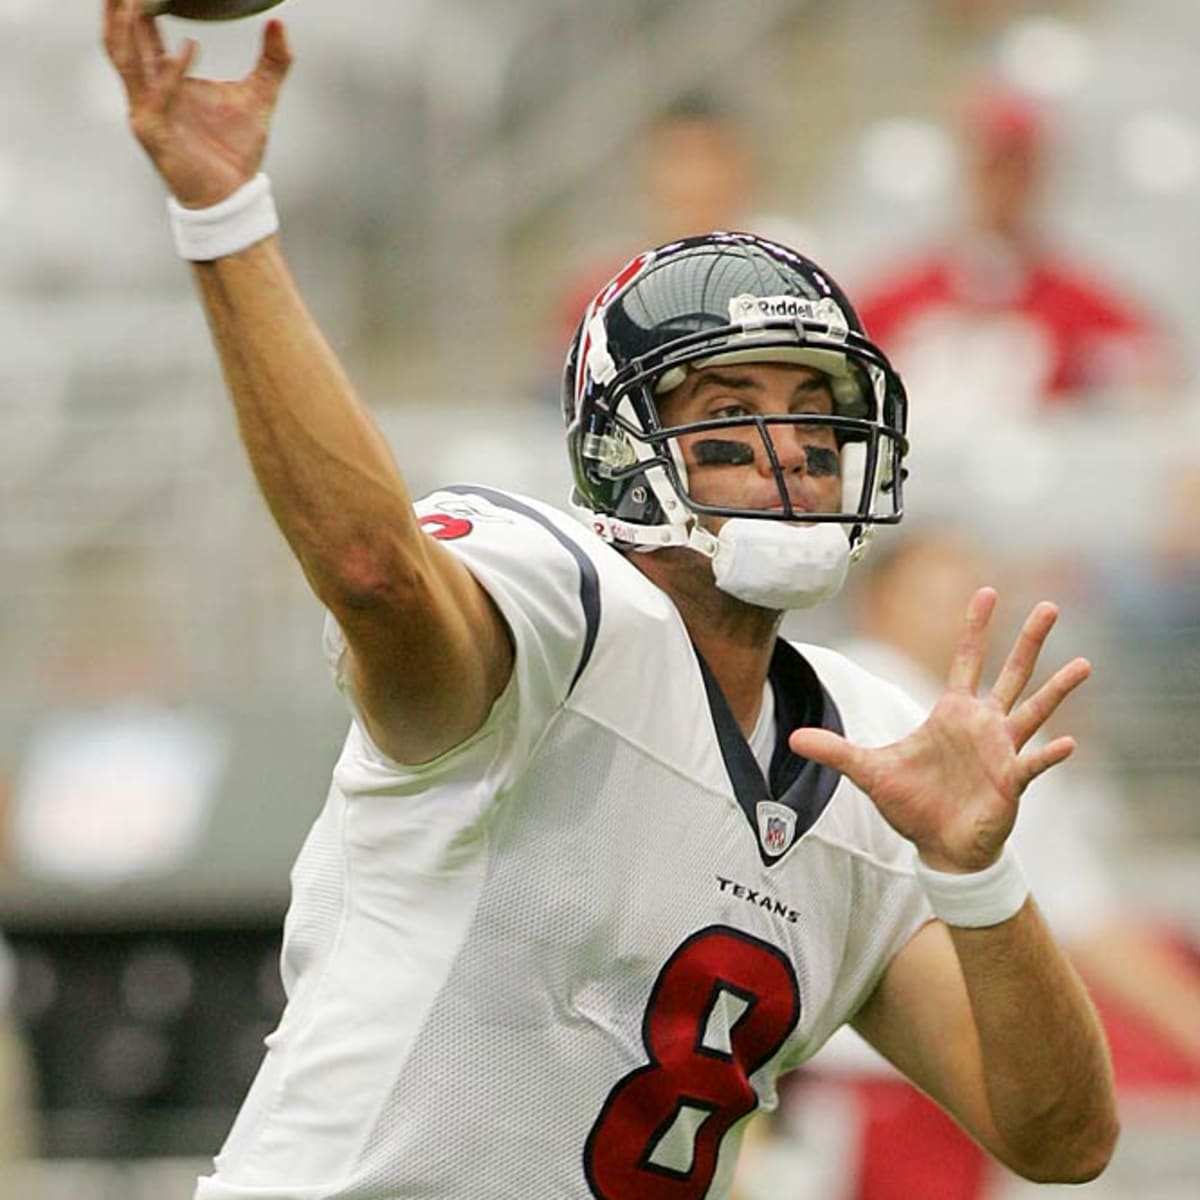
x: 985, y: 1014
x: 428, y: 650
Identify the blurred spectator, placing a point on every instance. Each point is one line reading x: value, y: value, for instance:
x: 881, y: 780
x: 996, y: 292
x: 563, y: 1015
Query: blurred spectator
x: 972, y: 15
x: 697, y: 169
x: 909, y: 595
x: 996, y: 319
x: 694, y: 170
x: 1176, y: 545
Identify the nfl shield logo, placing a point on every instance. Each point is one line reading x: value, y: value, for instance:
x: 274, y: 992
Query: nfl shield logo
x: 776, y: 827
x: 776, y: 836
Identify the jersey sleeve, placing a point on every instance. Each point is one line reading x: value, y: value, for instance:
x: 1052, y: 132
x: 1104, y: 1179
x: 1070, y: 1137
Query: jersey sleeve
x: 545, y: 585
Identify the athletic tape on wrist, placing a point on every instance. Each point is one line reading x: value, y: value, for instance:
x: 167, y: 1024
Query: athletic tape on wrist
x: 979, y: 899
x: 240, y: 220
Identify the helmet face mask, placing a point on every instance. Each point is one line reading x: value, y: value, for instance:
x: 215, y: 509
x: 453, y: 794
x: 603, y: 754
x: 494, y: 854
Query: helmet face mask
x: 719, y: 300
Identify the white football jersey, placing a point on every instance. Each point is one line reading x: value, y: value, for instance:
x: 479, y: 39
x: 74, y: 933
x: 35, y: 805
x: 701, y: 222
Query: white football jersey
x: 570, y: 957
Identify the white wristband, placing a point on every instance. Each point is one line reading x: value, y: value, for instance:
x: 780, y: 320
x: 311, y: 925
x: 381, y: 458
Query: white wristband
x: 240, y: 220
x: 980, y: 898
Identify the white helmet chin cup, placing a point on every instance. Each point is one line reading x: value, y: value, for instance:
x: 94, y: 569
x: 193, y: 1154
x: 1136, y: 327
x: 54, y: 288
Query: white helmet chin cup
x: 778, y: 566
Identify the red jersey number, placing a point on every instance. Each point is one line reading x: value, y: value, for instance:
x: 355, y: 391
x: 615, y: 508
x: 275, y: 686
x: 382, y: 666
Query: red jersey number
x: 721, y: 1007
x: 445, y: 527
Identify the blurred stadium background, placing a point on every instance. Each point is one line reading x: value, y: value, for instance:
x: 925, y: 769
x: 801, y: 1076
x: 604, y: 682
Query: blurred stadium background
x: 166, y: 721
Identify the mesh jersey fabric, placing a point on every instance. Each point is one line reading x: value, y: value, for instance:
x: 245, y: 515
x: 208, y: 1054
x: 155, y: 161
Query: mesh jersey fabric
x: 555, y: 960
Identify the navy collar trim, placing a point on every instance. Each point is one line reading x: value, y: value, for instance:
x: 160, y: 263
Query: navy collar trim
x: 803, y: 786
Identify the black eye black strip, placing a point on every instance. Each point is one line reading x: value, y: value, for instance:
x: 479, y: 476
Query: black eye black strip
x: 718, y: 452
x: 823, y: 461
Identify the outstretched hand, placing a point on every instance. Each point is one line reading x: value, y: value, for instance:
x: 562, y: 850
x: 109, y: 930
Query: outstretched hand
x: 206, y: 138
x: 953, y: 786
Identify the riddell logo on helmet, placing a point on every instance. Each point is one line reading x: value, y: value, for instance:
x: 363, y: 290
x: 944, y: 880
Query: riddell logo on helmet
x: 747, y: 309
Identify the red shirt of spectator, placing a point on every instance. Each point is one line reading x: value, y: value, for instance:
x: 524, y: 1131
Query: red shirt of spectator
x: 995, y: 303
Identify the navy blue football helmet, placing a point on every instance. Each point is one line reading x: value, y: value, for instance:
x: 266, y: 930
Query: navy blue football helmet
x: 721, y: 298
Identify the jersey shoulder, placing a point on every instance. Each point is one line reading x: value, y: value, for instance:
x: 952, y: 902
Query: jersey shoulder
x: 874, y: 710
x: 504, y: 536
x: 579, y: 611
x: 636, y: 673
x: 548, y: 576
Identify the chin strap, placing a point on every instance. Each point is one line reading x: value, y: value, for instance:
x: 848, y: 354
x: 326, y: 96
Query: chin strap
x: 687, y: 532
x: 762, y: 563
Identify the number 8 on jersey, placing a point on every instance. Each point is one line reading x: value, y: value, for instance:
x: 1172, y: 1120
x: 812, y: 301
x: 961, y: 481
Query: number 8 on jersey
x: 721, y: 1007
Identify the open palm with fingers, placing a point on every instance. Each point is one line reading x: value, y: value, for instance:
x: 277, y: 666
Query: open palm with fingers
x: 953, y: 786
x: 206, y: 138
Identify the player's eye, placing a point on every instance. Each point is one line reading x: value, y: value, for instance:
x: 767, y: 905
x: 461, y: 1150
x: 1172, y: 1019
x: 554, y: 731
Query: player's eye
x: 812, y: 432
x: 730, y: 409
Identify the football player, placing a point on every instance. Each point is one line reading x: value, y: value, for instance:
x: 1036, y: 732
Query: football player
x: 602, y: 856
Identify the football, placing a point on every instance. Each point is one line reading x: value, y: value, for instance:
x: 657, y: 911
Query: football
x: 206, y: 10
